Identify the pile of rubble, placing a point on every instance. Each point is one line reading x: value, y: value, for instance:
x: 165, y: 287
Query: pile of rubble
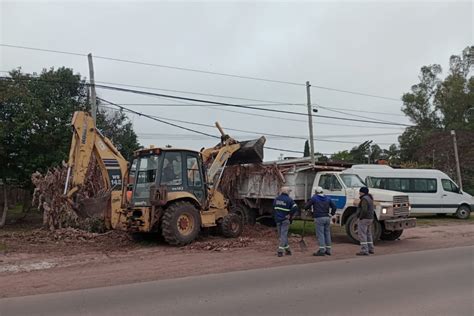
x: 60, y: 211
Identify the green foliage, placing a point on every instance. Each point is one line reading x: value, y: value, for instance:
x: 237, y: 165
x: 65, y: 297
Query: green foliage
x: 437, y: 106
x: 117, y: 127
x: 35, y: 114
x: 306, y: 149
x: 35, y: 117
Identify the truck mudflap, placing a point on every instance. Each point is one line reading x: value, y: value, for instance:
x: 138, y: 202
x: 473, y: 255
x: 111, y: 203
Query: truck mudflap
x: 400, y: 223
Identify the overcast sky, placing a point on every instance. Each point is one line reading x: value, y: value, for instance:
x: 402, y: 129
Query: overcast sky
x: 370, y: 47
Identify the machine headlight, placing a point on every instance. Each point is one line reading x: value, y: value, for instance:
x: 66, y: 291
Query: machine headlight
x: 384, y: 210
x: 409, y: 208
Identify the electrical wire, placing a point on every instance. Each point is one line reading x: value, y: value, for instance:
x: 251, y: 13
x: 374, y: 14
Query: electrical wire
x: 100, y: 86
x: 202, y: 71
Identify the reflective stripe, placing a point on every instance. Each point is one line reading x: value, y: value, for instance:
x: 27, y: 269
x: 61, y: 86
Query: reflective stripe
x: 283, y: 248
x: 328, y: 246
x: 282, y: 209
x: 294, y: 205
x: 363, y: 243
x: 370, y: 242
x: 322, y: 247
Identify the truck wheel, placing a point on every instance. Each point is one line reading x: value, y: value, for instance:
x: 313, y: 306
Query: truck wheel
x: 231, y: 225
x: 247, y: 214
x: 391, y: 234
x: 351, y: 229
x: 463, y: 212
x: 181, y: 223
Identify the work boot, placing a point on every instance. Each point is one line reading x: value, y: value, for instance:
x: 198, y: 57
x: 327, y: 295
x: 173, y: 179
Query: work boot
x: 280, y: 254
x: 288, y: 252
x: 372, y: 252
x: 328, y: 252
x: 362, y: 253
x: 319, y: 253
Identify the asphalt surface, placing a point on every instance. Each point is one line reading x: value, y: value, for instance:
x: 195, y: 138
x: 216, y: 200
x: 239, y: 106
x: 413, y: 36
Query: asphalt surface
x: 435, y: 282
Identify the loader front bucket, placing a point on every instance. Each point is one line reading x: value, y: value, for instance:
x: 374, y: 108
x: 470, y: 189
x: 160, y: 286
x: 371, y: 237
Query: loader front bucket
x: 251, y: 151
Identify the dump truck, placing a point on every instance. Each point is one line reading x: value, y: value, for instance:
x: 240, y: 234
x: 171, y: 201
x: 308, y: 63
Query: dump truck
x: 171, y: 190
x: 261, y: 184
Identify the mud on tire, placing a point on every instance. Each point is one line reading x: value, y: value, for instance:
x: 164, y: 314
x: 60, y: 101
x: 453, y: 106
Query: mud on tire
x: 231, y: 225
x: 180, y: 223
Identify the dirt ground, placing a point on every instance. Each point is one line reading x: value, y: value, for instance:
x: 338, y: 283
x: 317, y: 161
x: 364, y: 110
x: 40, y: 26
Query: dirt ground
x: 36, y: 261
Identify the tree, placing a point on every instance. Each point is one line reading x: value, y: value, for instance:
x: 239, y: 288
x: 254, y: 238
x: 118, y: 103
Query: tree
x: 344, y: 155
x: 118, y: 128
x: 35, y: 117
x: 436, y: 106
x: 306, y: 149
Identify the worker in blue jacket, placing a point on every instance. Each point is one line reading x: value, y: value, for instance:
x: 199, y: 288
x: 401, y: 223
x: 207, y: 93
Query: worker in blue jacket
x: 322, y: 206
x: 284, y: 209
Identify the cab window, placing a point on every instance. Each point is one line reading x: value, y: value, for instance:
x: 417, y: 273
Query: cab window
x: 449, y: 186
x: 329, y: 182
x: 194, y: 175
x: 172, y: 172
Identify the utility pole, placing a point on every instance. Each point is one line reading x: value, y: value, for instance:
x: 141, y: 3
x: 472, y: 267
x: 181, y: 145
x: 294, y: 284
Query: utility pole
x: 433, y: 166
x: 458, y: 168
x: 92, y: 85
x: 310, y: 122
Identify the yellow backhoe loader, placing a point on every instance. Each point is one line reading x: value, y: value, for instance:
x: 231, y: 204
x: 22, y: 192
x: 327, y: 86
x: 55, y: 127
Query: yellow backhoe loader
x: 175, y: 191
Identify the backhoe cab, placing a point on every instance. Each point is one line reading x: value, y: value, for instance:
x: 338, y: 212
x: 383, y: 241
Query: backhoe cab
x: 175, y: 191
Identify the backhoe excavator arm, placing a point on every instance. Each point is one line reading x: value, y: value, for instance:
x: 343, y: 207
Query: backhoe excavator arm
x: 86, y: 142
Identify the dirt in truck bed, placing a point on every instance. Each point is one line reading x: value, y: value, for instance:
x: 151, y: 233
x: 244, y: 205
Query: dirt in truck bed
x: 39, y: 261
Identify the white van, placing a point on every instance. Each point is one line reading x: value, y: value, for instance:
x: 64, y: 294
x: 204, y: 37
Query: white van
x: 431, y: 191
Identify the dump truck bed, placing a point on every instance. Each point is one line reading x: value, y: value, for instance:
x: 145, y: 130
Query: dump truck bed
x: 264, y: 181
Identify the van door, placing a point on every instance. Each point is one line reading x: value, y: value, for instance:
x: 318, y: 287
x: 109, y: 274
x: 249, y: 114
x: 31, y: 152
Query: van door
x: 452, y: 196
x: 333, y: 188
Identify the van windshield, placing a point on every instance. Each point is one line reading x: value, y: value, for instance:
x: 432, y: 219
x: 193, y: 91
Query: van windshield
x: 352, y: 181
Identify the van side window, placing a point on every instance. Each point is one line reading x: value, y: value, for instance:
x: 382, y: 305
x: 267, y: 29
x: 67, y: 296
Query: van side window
x: 425, y: 185
x: 408, y: 185
x: 449, y: 186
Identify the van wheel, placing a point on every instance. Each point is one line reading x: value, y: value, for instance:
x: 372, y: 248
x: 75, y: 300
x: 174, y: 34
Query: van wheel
x: 463, y: 212
x: 391, y: 234
x: 351, y: 229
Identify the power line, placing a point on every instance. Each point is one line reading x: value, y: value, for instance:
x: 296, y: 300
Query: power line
x: 253, y: 132
x: 241, y: 106
x: 224, y: 104
x: 182, y: 127
x: 203, y: 71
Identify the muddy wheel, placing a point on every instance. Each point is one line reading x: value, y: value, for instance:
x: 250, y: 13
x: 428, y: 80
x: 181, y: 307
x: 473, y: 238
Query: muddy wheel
x: 181, y: 223
x: 391, y: 234
x: 231, y: 225
x: 247, y: 214
x: 463, y: 212
x: 351, y: 229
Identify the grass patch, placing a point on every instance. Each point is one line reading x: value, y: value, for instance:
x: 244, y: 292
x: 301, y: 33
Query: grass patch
x: 310, y: 230
x: 435, y: 220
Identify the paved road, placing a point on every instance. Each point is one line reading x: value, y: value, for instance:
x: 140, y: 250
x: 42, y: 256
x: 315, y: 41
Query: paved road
x: 435, y: 282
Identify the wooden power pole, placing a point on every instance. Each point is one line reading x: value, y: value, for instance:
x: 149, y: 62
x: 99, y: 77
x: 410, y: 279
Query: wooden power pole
x: 456, y: 156
x: 310, y: 122
x: 92, y: 86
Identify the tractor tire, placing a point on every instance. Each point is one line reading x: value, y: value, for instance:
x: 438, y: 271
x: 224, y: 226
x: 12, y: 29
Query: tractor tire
x: 231, y: 225
x: 463, y: 212
x: 351, y: 229
x: 390, y: 235
x: 180, y: 223
x: 247, y: 214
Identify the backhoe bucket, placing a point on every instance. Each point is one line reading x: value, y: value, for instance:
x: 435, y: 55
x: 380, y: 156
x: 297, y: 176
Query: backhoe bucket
x: 251, y: 151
